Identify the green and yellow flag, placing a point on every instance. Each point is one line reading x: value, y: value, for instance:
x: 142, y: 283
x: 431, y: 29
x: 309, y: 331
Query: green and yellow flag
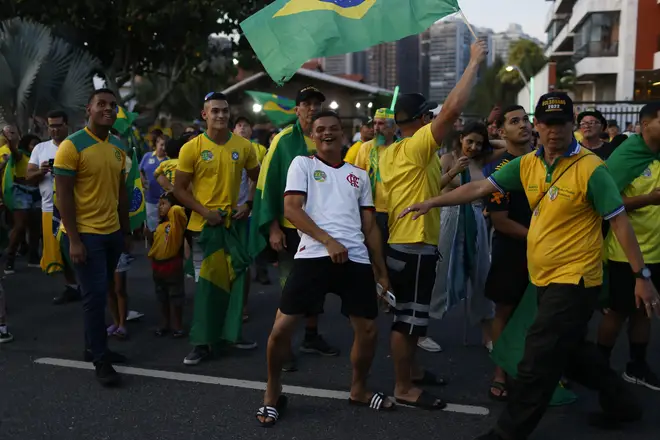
x: 281, y: 111
x: 287, y: 33
x: 124, y: 120
x: 137, y: 212
x: 509, y: 348
x: 8, y: 176
x: 218, y: 310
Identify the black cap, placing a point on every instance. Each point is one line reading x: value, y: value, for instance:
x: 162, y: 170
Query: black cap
x: 215, y: 96
x: 554, y: 107
x: 595, y: 113
x: 309, y: 92
x: 411, y: 106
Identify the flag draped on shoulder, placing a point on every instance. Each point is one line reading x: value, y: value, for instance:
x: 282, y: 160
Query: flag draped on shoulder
x: 137, y: 210
x: 218, y: 311
x: 279, y: 110
x: 629, y: 160
x: 268, y: 198
x: 509, y: 348
x: 287, y: 33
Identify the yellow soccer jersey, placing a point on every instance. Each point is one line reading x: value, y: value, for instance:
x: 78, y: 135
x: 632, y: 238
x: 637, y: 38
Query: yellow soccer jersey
x: 167, y: 168
x: 168, y: 237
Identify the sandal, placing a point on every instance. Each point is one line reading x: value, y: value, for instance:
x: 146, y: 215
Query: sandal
x: 120, y: 333
x: 503, y: 395
x: 430, y: 379
x: 176, y: 334
x: 272, y: 412
x: 376, y: 402
x: 426, y: 401
x: 111, y: 329
x: 160, y: 332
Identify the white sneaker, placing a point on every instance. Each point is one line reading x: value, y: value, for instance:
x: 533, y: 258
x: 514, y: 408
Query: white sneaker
x: 133, y: 315
x: 429, y: 345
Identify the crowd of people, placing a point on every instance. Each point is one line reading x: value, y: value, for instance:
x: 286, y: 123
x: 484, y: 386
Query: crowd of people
x: 363, y: 224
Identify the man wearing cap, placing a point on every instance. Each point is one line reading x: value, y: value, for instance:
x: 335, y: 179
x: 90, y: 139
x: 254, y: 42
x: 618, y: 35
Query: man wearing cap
x: 368, y: 158
x: 268, y: 224
x: 212, y: 162
x: 366, y: 134
x: 569, y: 191
x: 410, y: 172
x: 592, y: 123
x: 612, y: 128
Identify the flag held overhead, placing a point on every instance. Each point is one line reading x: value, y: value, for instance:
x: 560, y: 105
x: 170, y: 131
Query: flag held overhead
x: 287, y: 33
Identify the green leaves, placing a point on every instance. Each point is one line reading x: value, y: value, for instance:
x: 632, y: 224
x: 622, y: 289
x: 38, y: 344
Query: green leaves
x: 528, y: 56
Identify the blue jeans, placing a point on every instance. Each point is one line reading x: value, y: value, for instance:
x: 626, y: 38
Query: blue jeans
x: 95, y: 277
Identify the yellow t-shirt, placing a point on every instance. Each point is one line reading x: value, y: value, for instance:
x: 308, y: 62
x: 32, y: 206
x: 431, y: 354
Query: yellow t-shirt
x: 167, y: 168
x: 262, y: 182
x: 564, y: 242
x: 410, y: 170
x: 99, y: 168
x: 363, y: 160
x: 168, y: 236
x: 644, y: 220
x: 260, y: 150
x: 216, y: 172
x: 4, y: 151
x: 352, y: 153
x: 20, y: 168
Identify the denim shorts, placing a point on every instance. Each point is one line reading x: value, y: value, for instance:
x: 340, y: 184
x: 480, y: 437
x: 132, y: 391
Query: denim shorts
x: 26, y: 197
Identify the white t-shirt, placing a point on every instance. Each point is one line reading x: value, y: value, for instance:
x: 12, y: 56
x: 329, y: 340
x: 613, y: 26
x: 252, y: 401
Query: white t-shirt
x: 44, y: 152
x: 335, y: 196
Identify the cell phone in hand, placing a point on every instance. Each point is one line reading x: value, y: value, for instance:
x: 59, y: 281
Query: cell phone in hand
x: 388, y: 296
x: 51, y: 162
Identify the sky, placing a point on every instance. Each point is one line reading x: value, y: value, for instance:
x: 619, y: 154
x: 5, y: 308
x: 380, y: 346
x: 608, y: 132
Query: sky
x: 497, y: 14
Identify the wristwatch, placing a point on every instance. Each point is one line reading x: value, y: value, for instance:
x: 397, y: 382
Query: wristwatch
x: 644, y: 274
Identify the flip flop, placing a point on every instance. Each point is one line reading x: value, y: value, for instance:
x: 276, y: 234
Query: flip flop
x: 376, y: 402
x: 425, y: 401
x: 501, y: 387
x: 430, y: 379
x: 273, y: 412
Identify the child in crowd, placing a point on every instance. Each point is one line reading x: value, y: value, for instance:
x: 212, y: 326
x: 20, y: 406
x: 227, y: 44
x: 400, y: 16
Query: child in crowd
x: 5, y: 336
x: 166, y: 256
x: 166, y: 170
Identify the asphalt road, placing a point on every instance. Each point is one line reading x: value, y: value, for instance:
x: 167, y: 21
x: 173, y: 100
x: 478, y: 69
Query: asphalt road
x: 41, y: 401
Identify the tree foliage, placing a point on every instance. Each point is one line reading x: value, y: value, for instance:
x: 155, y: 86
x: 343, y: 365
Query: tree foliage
x: 490, y: 91
x: 528, y: 56
x: 40, y: 72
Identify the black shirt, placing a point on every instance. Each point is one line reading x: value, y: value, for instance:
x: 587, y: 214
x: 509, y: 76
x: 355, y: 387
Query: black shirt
x: 604, y: 151
x: 517, y: 205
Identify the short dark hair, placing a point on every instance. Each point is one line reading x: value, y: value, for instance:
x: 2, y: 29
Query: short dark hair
x: 169, y: 196
x: 649, y: 111
x: 26, y: 140
x: 612, y: 123
x: 173, y: 146
x: 56, y: 114
x: 100, y: 91
x: 501, y: 118
x: 242, y: 119
x: 215, y: 96
x: 326, y: 113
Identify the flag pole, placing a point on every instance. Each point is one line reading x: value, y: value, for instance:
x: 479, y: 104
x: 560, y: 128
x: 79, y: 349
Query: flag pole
x: 396, y: 95
x: 460, y: 11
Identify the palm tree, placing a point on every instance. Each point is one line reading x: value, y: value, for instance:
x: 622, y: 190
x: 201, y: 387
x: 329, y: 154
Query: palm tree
x: 39, y: 73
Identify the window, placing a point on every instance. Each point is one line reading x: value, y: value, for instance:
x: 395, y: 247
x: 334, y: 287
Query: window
x: 598, y: 36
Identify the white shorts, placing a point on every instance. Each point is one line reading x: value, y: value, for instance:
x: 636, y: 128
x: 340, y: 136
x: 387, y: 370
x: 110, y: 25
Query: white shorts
x: 152, y: 216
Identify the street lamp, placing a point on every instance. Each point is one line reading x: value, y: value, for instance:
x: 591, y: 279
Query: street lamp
x: 371, y: 104
x: 528, y: 84
x: 357, y: 105
x: 256, y: 107
x: 334, y: 105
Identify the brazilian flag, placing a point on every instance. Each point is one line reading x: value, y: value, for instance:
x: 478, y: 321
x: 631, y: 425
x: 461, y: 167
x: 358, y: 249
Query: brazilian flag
x: 287, y: 33
x: 137, y: 212
x: 280, y: 111
x: 124, y: 120
x: 218, y: 310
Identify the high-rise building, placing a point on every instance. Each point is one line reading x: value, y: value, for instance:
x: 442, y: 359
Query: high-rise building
x: 382, y: 68
x: 449, y: 54
x: 501, y: 41
x: 614, y: 45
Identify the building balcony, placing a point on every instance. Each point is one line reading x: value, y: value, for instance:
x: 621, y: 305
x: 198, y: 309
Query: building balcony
x: 583, y: 8
x: 561, y: 45
x: 562, y: 6
x: 596, y: 59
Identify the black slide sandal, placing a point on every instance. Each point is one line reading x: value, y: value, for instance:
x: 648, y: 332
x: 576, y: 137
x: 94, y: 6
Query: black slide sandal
x: 274, y: 412
x: 426, y: 401
x: 501, y: 387
x: 376, y: 402
x: 430, y: 379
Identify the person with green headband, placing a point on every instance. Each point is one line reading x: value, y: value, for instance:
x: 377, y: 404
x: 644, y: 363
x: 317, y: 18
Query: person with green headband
x: 367, y: 158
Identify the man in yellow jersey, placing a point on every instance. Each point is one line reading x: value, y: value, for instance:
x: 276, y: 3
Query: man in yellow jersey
x: 366, y: 135
x: 410, y: 171
x: 40, y: 170
x: 639, y: 182
x: 212, y: 162
x: 268, y: 224
x: 569, y: 191
x: 92, y: 199
x: 368, y: 158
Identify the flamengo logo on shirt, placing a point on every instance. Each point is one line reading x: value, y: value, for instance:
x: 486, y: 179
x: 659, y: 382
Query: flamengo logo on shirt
x: 353, y: 180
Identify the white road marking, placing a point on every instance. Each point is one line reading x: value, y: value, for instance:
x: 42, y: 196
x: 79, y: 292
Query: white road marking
x: 237, y: 383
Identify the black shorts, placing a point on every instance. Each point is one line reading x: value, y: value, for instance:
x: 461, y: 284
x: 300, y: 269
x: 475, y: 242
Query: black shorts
x: 412, y: 277
x: 507, y: 279
x: 621, y: 297
x: 310, y: 279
